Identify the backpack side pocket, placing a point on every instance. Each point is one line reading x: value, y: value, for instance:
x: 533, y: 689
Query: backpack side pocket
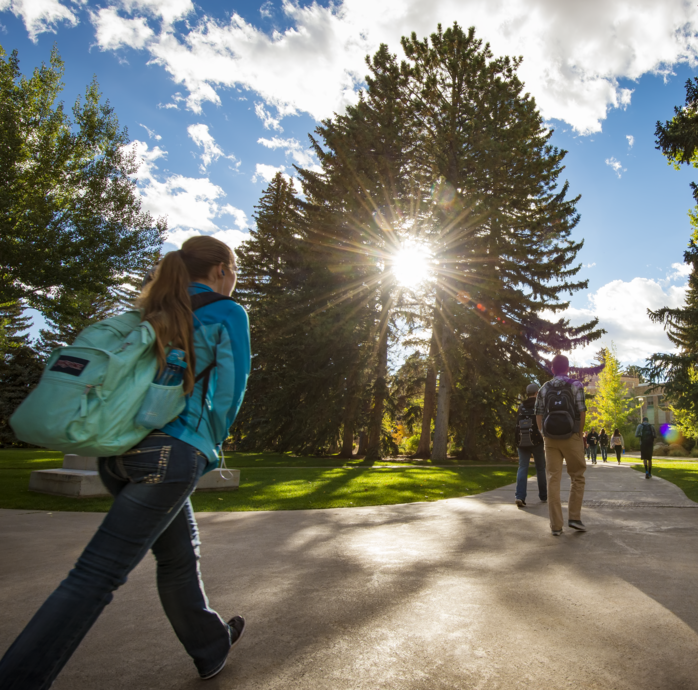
x: 161, y: 405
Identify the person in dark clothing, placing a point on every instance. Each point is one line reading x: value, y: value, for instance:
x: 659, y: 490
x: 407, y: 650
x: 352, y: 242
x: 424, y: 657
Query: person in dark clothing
x: 529, y: 443
x: 646, y: 433
x: 593, y: 441
x: 603, y: 444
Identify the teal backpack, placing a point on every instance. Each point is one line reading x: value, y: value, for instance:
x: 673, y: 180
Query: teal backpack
x: 96, y: 397
x: 91, y: 391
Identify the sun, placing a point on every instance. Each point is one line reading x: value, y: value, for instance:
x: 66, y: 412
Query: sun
x: 412, y: 265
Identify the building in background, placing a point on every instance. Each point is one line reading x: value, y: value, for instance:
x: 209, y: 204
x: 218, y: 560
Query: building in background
x: 652, y: 400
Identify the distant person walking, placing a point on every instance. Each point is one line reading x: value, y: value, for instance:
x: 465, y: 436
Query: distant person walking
x: 618, y: 444
x: 603, y: 444
x: 593, y: 442
x: 646, y: 433
x: 560, y: 415
x: 152, y: 482
x: 587, y: 449
x: 529, y: 443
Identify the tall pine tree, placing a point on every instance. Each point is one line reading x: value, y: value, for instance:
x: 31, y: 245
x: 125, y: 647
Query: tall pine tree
x: 677, y: 139
x: 20, y: 365
x: 504, y: 221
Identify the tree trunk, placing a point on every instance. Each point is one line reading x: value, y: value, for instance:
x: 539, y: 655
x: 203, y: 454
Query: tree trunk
x: 375, y: 421
x: 363, y: 443
x: 424, y: 449
x: 440, y: 450
x: 352, y: 402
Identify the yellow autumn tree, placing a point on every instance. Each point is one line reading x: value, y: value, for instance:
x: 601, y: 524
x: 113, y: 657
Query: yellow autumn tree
x: 612, y: 404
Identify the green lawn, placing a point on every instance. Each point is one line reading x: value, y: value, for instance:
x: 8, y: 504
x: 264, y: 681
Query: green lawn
x: 683, y: 473
x: 274, y: 481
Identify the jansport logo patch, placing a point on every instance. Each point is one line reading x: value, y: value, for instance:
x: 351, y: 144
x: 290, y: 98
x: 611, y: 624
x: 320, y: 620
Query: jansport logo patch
x: 70, y: 365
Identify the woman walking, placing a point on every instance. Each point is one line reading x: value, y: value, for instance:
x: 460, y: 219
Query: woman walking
x: 152, y: 482
x: 617, y: 444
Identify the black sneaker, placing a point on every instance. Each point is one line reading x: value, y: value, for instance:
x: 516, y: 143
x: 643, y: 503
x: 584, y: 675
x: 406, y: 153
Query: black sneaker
x: 557, y: 532
x: 520, y: 503
x: 237, y: 630
x: 577, y: 524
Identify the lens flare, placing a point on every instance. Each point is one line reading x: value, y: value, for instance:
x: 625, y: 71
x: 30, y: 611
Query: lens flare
x: 412, y: 265
x: 671, y: 433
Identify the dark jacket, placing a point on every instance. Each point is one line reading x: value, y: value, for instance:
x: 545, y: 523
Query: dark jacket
x: 603, y: 439
x: 592, y: 438
x: 537, y: 439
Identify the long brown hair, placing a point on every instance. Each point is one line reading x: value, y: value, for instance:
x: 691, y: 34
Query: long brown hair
x: 165, y: 303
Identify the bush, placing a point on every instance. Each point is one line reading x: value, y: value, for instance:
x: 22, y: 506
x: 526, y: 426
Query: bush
x: 689, y: 443
x: 694, y: 453
x: 410, y: 445
x: 678, y: 452
x: 661, y: 449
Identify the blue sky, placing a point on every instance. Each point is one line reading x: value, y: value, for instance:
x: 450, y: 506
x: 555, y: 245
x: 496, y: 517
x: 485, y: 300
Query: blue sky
x: 218, y: 96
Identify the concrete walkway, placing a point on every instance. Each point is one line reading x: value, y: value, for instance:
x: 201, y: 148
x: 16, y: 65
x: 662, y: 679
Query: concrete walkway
x: 461, y: 593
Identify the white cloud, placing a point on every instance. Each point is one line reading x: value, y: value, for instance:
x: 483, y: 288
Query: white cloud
x: 591, y: 265
x: 113, y: 32
x: 168, y: 10
x: 191, y: 204
x: 266, y: 10
x: 616, y: 165
x: 39, y: 16
x: 575, y: 54
x: 293, y: 148
x: 239, y: 216
x: 233, y: 238
x: 631, y: 140
x: 267, y: 119
x: 176, y: 98
x: 680, y: 271
x: 266, y: 172
x: 151, y: 133
x: 622, y: 310
x: 204, y: 139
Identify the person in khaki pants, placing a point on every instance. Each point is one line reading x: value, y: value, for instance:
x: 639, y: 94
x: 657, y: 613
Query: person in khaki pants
x: 571, y: 450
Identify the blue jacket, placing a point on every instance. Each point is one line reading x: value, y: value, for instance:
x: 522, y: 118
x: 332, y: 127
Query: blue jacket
x: 223, y: 329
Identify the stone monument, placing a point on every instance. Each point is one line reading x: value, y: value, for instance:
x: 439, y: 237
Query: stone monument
x: 79, y: 478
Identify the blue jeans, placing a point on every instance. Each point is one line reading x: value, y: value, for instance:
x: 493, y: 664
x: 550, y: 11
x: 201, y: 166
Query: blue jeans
x: 538, y: 453
x: 151, y: 485
x: 604, y: 453
x: 592, y: 451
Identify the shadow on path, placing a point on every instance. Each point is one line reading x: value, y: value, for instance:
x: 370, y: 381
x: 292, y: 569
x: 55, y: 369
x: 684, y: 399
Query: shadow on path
x: 460, y: 593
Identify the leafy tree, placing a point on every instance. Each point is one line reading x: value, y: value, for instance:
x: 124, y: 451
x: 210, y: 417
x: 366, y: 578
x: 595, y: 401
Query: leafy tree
x: 20, y: 365
x: 303, y: 352
x: 503, y: 222
x: 358, y: 209
x: 677, y: 139
x: 636, y: 372
x: 612, y: 404
x: 72, y: 314
x: 71, y: 219
x: 445, y: 151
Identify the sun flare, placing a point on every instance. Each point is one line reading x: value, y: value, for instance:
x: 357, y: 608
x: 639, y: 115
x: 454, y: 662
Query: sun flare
x: 412, y: 265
